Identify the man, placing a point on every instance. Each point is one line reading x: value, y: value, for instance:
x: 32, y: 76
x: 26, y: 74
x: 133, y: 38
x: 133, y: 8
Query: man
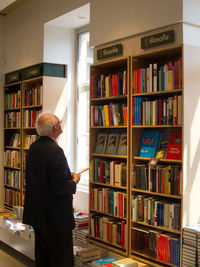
x: 48, y: 197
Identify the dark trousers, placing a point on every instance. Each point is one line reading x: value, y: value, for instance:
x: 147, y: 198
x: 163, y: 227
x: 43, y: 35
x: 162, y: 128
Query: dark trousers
x: 53, y: 249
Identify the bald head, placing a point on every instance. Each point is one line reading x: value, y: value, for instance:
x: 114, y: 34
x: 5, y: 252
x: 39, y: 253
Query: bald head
x: 45, y: 124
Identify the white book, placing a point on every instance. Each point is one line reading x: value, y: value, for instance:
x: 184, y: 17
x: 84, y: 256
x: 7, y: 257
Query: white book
x: 150, y: 78
x: 155, y: 77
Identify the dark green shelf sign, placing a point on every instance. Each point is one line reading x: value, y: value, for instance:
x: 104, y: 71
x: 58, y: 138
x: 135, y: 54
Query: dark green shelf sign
x: 157, y: 39
x: 111, y: 51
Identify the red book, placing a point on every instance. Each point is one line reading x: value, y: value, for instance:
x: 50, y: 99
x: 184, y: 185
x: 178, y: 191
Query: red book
x: 174, y: 150
x: 92, y: 87
x: 122, y: 233
x: 135, y: 90
x: 139, y: 81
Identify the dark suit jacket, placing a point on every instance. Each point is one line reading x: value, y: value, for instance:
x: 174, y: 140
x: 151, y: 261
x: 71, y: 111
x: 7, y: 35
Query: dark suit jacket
x: 49, y: 187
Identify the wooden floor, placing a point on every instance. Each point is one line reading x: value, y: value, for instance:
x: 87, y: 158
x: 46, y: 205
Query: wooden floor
x: 11, y: 258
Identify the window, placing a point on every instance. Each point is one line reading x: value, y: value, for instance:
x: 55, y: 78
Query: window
x: 84, y: 59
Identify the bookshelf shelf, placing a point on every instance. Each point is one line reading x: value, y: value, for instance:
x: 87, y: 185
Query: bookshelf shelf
x: 109, y: 127
x: 108, y: 243
x: 12, y: 147
x: 10, y: 167
x: 32, y: 107
x: 156, y: 194
x: 11, y: 109
x: 10, y: 186
x: 155, y: 260
x: 161, y: 160
x: 109, y: 156
x: 12, y: 128
x: 158, y: 227
x: 107, y: 214
x: 158, y: 93
x: 156, y: 126
x: 109, y: 185
x: 98, y: 99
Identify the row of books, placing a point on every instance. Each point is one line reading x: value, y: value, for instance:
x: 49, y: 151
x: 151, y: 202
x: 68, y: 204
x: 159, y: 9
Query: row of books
x: 29, y: 139
x: 155, y: 144
x: 156, y: 212
x: 14, y: 140
x: 111, y: 143
x: 29, y: 117
x: 109, y: 85
x: 12, y: 178
x: 109, y: 115
x: 108, y: 201
x: 12, y: 119
x: 12, y: 197
x: 160, y: 111
x: 12, y: 158
x: 109, y: 230
x: 158, y: 178
x: 156, y: 244
x: 108, y: 172
x: 13, y: 100
x: 191, y: 246
x: 33, y: 97
x: 157, y: 77
x: 81, y: 231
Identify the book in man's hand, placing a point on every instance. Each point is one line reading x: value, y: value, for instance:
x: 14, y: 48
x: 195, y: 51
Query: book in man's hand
x: 112, y: 143
x: 101, y: 143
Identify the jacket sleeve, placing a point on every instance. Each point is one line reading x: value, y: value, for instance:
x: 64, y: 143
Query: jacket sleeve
x: 60, y: 175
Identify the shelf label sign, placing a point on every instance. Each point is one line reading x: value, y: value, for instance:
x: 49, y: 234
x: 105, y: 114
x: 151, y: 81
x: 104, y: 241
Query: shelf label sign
x: 111, y: 51
x: 157, y: 39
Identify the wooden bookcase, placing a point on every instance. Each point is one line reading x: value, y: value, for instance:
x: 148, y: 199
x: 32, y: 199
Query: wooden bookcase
x: 27, y: 93
x: 12, y: 150
x: 105, y: 177
x: 156, y: 202
x: 142, y: 225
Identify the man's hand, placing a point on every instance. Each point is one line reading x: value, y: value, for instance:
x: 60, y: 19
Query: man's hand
x: 76, y: 177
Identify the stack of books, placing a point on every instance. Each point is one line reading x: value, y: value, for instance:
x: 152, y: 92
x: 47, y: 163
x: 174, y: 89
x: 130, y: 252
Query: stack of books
x: 84, y: 255
x: 81, y: 231
x: 191, y: 246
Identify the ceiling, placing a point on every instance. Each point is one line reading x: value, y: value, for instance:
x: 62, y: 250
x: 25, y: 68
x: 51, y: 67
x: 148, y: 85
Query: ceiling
x: 74, y: 19
x: 7, y: 6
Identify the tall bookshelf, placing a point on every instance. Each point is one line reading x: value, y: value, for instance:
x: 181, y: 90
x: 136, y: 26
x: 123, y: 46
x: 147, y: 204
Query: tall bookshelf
x: 12, y: 144
x: 109, y: 98
x: 24, y: 91
x: 154, y: 217
x: 156, y: 190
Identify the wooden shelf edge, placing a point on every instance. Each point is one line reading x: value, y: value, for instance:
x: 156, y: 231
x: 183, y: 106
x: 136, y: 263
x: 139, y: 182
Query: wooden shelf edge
x: 152, y: 259
x: 178, y: 232
x: 155, y: 193
x: 108, y: 214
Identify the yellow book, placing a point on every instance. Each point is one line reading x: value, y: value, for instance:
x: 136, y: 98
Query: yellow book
x: 105, y: 107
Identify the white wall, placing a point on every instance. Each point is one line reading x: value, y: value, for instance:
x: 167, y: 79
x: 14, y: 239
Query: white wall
x: 115, y: 19
x: 191, y: 9
x: 59, y: 47
x: 191, y: 127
